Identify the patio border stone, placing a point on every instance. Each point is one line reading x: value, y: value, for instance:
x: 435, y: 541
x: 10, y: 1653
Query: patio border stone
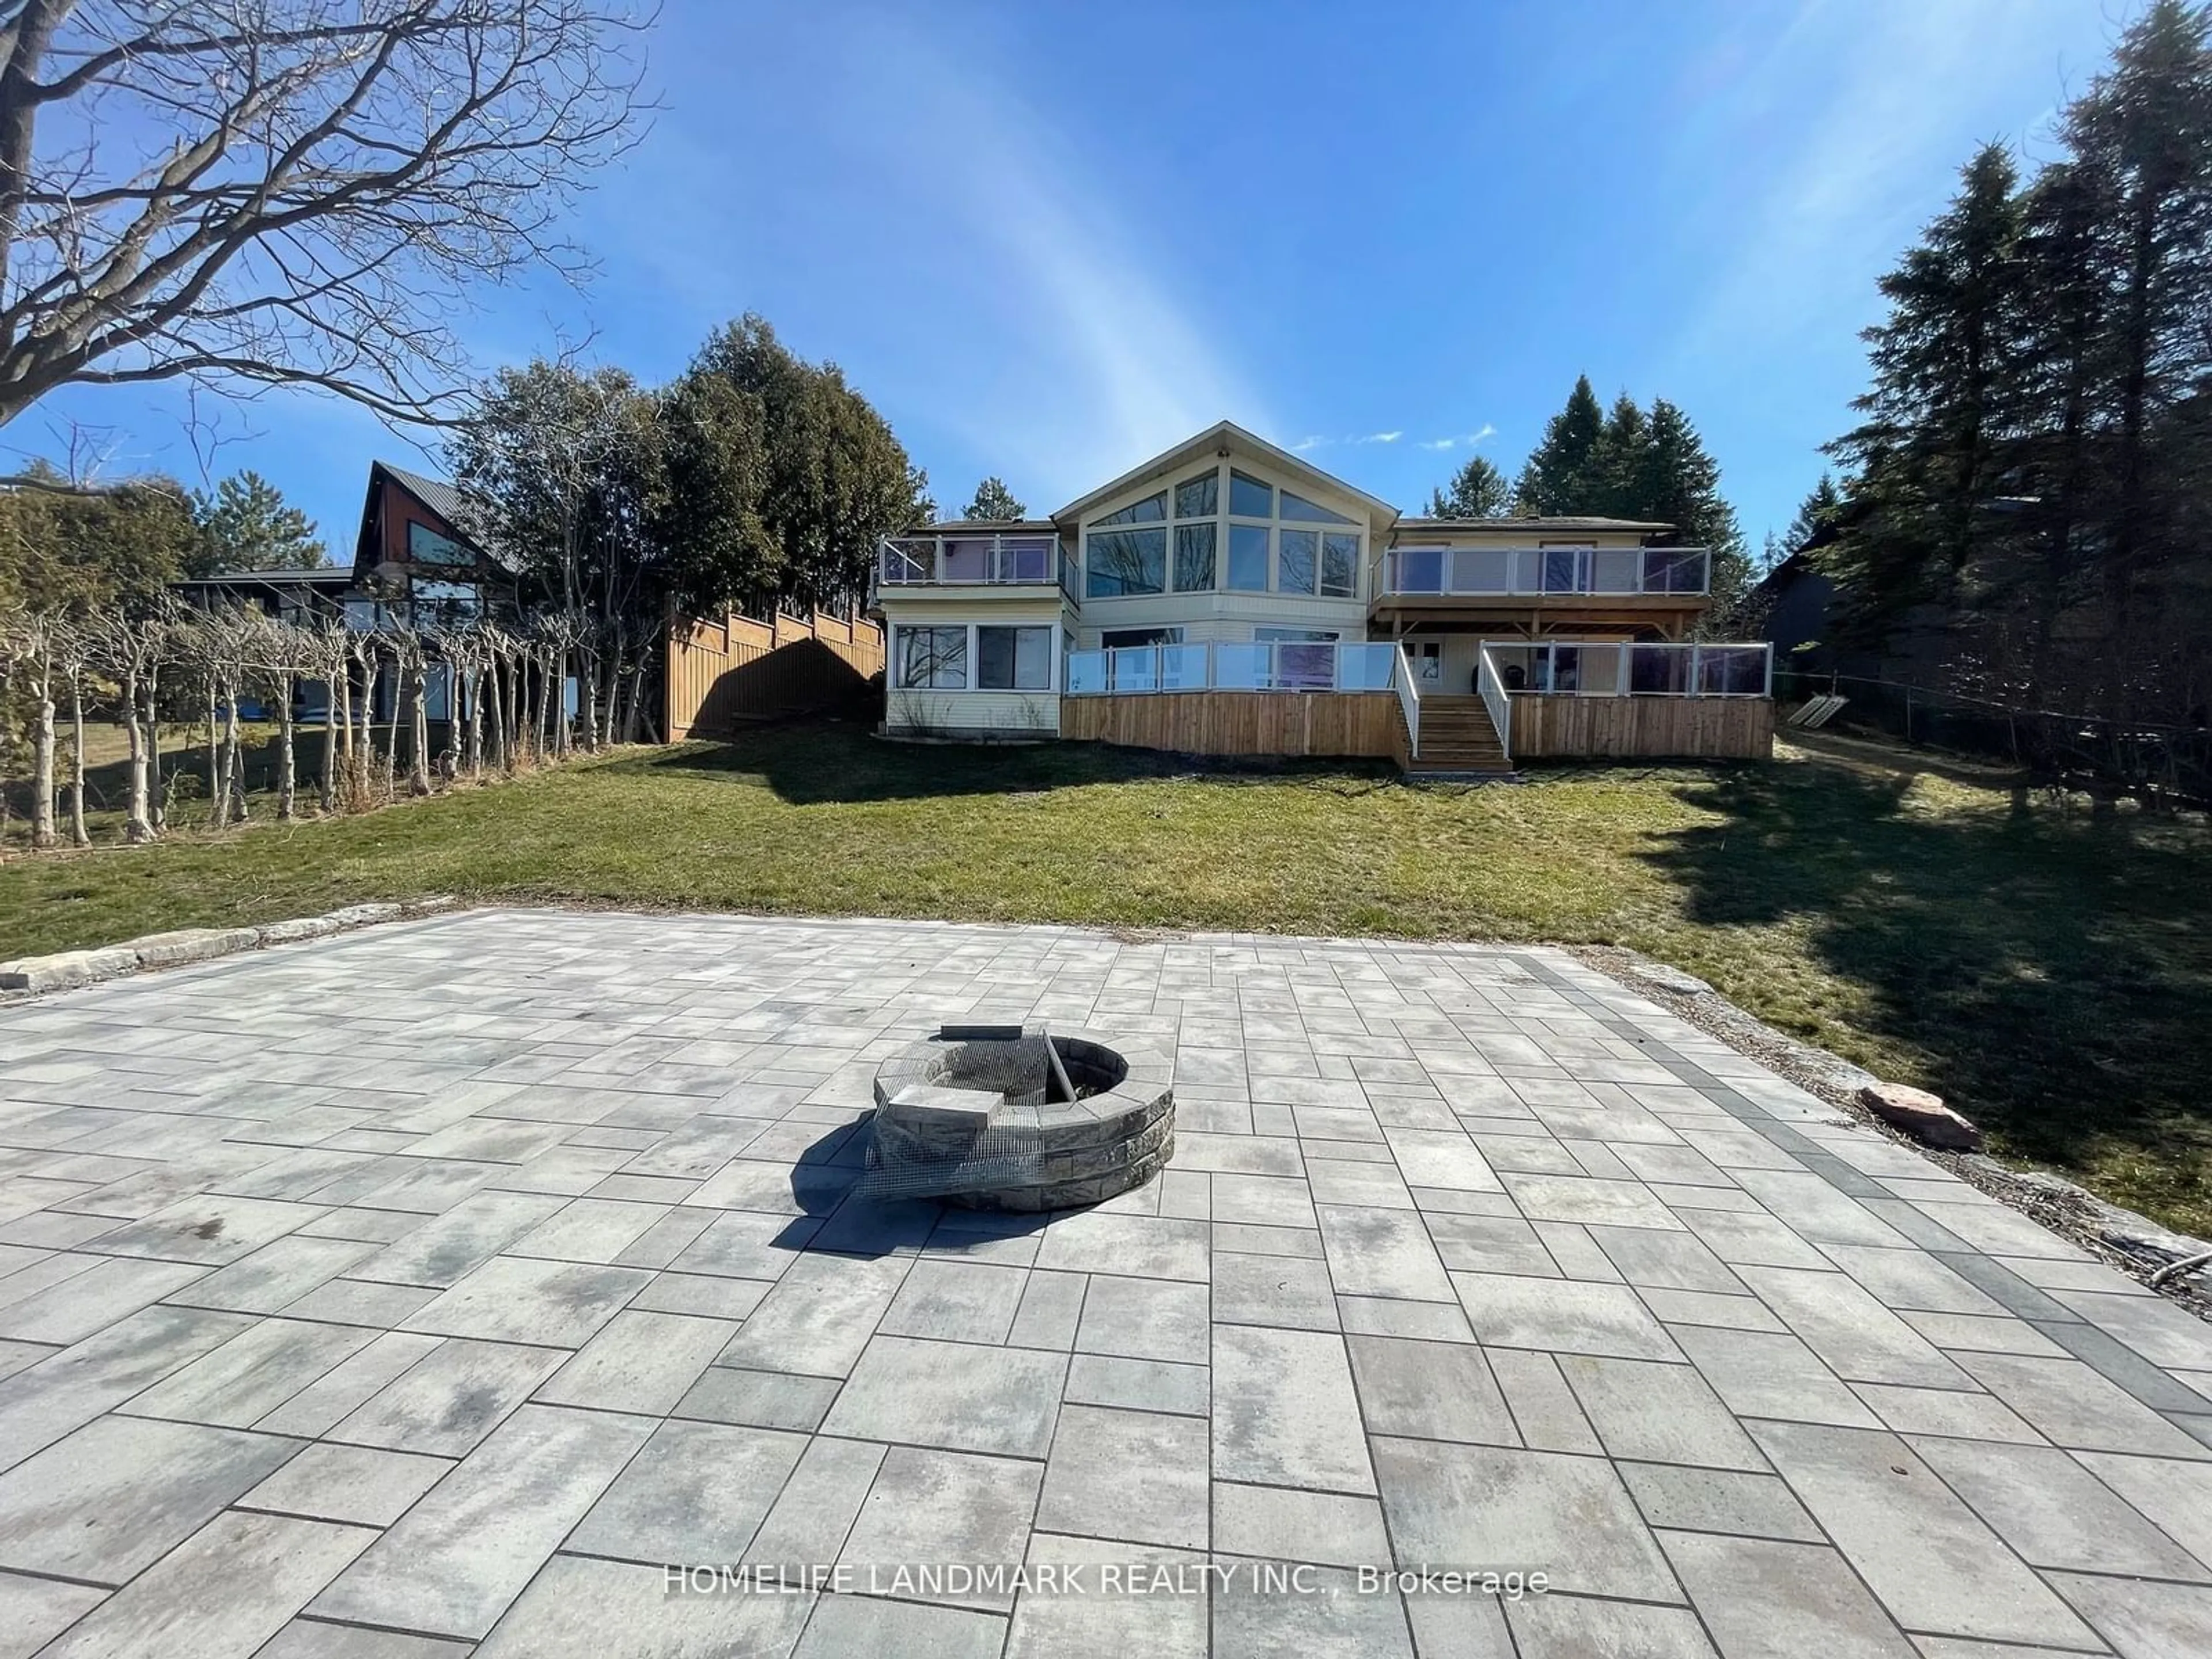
x: 65, y: 971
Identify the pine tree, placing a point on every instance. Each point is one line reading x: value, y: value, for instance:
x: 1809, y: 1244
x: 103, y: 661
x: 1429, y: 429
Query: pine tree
x: 994, y: 504
x: 1558, y: 474
x: 244, y: 525
x: 1935, y: 447
x: 1814, y: 514
x: 1613, y: 485
x: 1478, y: 490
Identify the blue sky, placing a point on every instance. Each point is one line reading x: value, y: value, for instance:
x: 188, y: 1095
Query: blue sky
x: 1049, y: 238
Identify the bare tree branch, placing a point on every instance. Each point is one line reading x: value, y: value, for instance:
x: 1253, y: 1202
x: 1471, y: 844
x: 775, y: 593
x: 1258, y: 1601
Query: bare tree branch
x: 290, y: 192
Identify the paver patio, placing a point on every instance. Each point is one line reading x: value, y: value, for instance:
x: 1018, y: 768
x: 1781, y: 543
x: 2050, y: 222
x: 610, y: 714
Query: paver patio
x: 439, y: 1284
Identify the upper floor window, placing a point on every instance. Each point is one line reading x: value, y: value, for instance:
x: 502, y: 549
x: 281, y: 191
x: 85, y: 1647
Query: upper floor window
x: 1263, y: 538
x: 426, y: 546
x: 1151, y: 510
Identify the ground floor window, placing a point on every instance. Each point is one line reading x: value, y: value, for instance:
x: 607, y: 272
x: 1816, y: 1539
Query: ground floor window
x: 932, y: 659
x: 1425, y: 658
x: 1013, y: 658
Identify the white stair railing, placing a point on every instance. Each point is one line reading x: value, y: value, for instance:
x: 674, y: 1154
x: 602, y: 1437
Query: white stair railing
x: 1409, y: 698
x: 1491, y: 684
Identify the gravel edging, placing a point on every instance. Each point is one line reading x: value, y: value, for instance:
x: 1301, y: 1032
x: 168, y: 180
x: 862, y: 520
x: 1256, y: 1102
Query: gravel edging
x: 2134, y: 1243
x: 65, y: 971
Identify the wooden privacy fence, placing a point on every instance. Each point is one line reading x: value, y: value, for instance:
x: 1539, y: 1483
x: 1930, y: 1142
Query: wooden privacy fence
x: 1240, y: 722
x: 1724, y: 728
x: 721, y: 675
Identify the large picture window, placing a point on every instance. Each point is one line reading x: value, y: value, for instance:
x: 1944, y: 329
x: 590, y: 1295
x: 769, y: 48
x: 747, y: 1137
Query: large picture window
x: 1254, y: 537
x: 1013, y: 658
x: 1117, y: 563
x: 932, y: 659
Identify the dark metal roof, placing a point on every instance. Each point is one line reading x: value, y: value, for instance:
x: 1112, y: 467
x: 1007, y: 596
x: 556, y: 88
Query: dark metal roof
x: 989, y: 527
x: 441, y: 497
x: 1572, y: 522
x: 333, y: 574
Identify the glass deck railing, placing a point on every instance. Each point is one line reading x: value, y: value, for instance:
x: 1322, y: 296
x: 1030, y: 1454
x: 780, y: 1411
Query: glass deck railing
x: 1535, y: 571
x: 1223, y: 665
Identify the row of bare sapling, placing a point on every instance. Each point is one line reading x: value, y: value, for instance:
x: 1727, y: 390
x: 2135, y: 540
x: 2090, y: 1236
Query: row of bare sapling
x: 164, y: 663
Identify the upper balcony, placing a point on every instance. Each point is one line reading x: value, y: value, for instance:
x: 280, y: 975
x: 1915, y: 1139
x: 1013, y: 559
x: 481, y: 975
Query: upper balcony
x: 1438, y: 582
x: 1020, y: 558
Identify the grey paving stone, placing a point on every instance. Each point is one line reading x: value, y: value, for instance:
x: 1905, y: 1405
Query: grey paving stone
x: 1249, y: 1239
x: 278, y: 1273
x: 2074, y: 1406
x: 1098, y: 1242
x: 1262, y: 1201
x: 2177, y: 1495
x: 766, y: 1400
x: 952, y: 1394
x: 1272, y: 1290
x: 1648, y: 1258
x: 1144, y: 1319
x: 1752, y: 1239
x: 1496, y: 1244
x: 1285, y: 1412
x: 845, y: 1625
x: 742, y: 1245
x: 446, y: 1248
x: 1494, y: 1507
x: 819, y: 1315
x: 812, y: 1519
x: 1575, y: 1627
x: 2142, y: 1620
x: 1352, y: 1183
x: 1568, y: 1198
x: 701, y: 1296
x: 1252, y: 1620
x: 942, y: 1506
x: 444, y: 1402
x: 1428, y: 1322
x: 77, y: 1307
x: 1718, y: 1500
x: 1762, y: 1595
x: 1433, y: 1390
x: 33, y: 1609
x: 1138, y: 1626
x: 581, y: 1609
x: 47, y: 1399
x: 956, y: 1301
x: 1051, y: 1308
x: 639, y: 1362
x: 522, y: 1299
x: 1974, y: 1334
x: 1658, y: 1414
x: 697, y: 1493
x: 1933, y: 1563
x: 590, y: 1230
x: 1138, y: 1476
x: 1564, y: 1316
x: 1575, y: 1253
x: 1861, y: 1341
x: 453, y: 1563
x: 1739, y: 1313
x: 1544, y: 1408
x: 363, y: 1484
x: 207, y: 1229
x: 1153, y: 1385
x: 223, y: 1592
x: 1911, y: 1279
x: 1763, y: 1374
x: 1381, y: 1252
x: 1280, y: 1523
x: 1946, y: 1412
x: 2055, y: 1512
x: 252, y: 1374
x: 1441, y: 1157
x: 106, y: 1502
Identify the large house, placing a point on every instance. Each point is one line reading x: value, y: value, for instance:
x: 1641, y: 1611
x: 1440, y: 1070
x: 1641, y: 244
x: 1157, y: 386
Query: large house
x: 1227, y: 597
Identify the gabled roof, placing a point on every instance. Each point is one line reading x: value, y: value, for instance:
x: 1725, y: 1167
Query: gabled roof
x: 1220, y: 435
x: 437, y: 498
x: 441, y: 497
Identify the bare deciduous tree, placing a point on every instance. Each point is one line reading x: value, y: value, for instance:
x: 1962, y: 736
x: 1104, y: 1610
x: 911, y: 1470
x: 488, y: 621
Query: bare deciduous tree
x: 288, y: 192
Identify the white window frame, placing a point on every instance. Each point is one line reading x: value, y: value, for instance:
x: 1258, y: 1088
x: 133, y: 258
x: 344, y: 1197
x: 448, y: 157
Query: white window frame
x: 1226, y: 523
x: 1057, y: 645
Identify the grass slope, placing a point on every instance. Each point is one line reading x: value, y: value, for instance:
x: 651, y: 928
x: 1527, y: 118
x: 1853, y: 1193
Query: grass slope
x: 2046, y: 967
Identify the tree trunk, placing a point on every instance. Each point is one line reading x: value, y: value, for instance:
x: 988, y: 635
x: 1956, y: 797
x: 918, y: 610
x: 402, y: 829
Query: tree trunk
x: 557, y: 701
x: 234, y: 758
x: 418, y: 733
x: 157, y: 791
x: 587, y: 688
x: 287, y: 785
x: 78, y: 834
x: 474, y: 689
x: 42, y: 756
x: 332, y: 690
x: 391, y: 731
x: 218, y: 784
x: 138, y: 826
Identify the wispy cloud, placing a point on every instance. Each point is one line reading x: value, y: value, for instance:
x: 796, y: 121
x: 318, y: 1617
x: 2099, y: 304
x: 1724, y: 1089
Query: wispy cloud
x: 1458, y: 441
x: 1380, y: 438
x: 1319, y: 442
x: 1304, y: 444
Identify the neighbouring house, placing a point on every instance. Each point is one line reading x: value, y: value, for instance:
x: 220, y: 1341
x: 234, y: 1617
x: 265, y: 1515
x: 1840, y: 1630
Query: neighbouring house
x: 1227, y: 597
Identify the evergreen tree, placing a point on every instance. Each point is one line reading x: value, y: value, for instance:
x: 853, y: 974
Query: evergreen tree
x: 1478, y: 490
x: 1813, y: 514
x: 994, y: 504
x: 1677, y: 482
x: 244, y: 525
x: 1935, y: 449
x: 1559, y: 471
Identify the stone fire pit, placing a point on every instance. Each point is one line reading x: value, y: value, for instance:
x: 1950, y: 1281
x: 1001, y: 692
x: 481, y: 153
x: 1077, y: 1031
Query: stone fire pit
x: 1014, y: 1117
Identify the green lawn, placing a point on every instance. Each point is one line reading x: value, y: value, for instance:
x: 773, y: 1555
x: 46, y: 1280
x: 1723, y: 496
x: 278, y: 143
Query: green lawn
x: 2045, y: 966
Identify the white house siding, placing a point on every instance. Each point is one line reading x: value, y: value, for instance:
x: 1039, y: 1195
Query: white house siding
x: 938, y: 711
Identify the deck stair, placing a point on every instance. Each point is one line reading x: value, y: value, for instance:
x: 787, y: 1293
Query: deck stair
x: 1458, y: 740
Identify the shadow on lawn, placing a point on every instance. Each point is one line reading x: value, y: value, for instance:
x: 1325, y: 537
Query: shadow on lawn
x: 819, y: 762
x: 2053, y: 964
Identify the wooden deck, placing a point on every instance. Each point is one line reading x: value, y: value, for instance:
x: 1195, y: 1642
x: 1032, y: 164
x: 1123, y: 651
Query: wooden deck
x: 1294, y: 723
x: 1720, y: 728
